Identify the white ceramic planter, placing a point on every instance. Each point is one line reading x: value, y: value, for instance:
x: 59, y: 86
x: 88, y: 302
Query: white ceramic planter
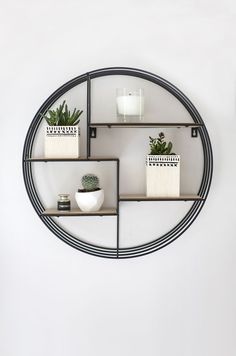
x: 90, y: 201
x: 61, y: 142
x: 163, y: 175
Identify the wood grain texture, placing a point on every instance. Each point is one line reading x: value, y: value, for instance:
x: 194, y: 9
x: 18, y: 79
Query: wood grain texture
x: 137, y: 197
x: 78, y: 212
x: 144, y: 124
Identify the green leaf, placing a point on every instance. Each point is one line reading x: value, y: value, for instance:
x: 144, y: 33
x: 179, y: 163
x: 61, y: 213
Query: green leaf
x: 62, y: 116
x: 169, y: 148
x: 160, y: 147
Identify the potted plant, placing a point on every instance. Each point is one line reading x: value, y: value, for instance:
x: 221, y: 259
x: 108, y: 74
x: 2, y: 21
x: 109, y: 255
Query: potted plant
x: 162, y: 169
x: 62, y: 133
x: 91, y: 197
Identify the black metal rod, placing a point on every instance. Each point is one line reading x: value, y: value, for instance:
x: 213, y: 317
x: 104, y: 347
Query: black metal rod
x: 89, y: 159
x: 118, y: 207
x: 88, y: 114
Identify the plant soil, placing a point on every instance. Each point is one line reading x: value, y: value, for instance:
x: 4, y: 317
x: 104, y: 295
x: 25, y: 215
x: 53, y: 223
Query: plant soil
x: 88, y: 191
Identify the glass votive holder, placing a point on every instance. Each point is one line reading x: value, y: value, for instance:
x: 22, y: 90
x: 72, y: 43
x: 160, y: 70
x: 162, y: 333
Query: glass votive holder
x: 130, y: 104
x: 63, y: 202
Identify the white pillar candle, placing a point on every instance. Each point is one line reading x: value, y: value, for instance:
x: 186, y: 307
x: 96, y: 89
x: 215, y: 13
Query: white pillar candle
x: 130, y: 105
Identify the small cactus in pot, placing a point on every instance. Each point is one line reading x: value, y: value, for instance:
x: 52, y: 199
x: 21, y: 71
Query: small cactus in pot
x: 91, y: 197
x: 90, y: 182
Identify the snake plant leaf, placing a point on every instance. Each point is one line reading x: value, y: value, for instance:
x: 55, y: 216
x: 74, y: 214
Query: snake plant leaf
x: 169, y: 148
x: 62, y: 116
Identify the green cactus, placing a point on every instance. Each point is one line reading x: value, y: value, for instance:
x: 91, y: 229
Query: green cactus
x: 159, y: 147
x: 90, y: 182
x: 62, y: 116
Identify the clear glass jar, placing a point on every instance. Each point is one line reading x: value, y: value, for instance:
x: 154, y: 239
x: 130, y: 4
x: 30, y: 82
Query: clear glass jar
x: 63, y: 202
x: 130, y: 105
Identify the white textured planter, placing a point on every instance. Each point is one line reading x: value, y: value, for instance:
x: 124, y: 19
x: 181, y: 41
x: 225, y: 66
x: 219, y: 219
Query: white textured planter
x: 163, y: 175
x: 61, y: 142
x: 90, y: 201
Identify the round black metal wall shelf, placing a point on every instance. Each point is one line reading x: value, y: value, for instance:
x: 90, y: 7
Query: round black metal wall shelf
x: 118, y: 252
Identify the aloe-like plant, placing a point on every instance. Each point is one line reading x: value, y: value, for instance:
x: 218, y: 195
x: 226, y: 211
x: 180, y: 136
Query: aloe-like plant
x: 61, y: 116
x: 90, y: 182
x: 159, y: 147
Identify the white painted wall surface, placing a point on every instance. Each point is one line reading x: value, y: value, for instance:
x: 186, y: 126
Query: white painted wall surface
x: 56, y: 301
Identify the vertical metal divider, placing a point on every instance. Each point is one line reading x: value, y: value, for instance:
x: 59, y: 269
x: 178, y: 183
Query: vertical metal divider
x: 88, y: 114
x: 118, y: 207
x: 117, y: 161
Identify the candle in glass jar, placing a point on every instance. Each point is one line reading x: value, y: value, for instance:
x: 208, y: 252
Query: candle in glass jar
x: 63, y: 202
x: 130, y: 103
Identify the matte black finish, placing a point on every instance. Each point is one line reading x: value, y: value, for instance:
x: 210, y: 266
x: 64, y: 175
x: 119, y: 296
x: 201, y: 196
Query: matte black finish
x: 194, y: 132
x: 80, y: 159
x: 117, y: 252
x: 93, y: 132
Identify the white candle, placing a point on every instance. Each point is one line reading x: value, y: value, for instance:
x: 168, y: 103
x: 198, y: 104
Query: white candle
x: 130, y: 105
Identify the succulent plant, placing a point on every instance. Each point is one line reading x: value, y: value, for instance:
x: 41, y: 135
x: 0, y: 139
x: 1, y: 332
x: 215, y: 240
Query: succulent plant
x: 61, y: 116
x: 159, y: 147
x: 90, y: 182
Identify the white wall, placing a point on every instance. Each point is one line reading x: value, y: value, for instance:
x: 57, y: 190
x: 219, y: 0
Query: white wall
x: 57, y: 301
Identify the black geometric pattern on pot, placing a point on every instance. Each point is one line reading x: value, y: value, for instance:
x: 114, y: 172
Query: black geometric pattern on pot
x: 58, y: 131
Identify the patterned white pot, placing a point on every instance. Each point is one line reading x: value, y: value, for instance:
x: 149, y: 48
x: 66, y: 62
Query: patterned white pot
x: 163, y: 175
x: 61, y: 142
x: 90, y: 201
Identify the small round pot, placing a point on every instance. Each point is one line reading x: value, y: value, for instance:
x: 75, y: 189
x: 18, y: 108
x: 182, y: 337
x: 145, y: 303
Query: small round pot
x: 90, y: 201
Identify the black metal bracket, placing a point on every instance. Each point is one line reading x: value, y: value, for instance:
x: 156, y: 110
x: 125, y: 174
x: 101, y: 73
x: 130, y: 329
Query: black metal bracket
x: 194, y: 132
x: 92, y: 132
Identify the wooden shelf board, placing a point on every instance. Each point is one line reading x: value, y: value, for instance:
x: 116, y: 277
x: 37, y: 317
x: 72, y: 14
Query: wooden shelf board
x: 138, y: 197
x: 79, y: 159
x: 144, y: 124
x: 78, y: 212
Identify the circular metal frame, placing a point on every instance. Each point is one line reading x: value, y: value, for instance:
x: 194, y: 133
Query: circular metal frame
x: 146, y: 248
